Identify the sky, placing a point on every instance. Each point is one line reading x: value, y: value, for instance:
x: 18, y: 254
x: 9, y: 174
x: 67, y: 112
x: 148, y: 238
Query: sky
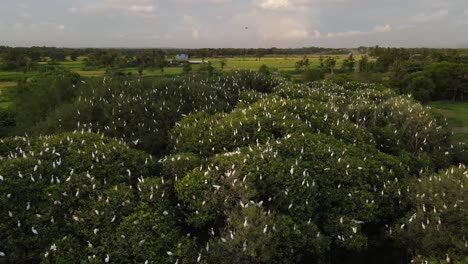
x: 234, y: 23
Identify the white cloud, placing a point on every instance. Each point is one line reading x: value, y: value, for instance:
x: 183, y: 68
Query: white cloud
x: 345, y: 34
x: 464, y: 19
x: 189, y: 20
x: 376, y: 29
x: 141, y: 9
x: 430, y: 17
x: 195, y: 34
x: 405, y: 26
x: 190, y: 24
x: 40, y: 26
x: 381, y: 29
x: 24, y: 15
x: 285, y: 5
x: 283, y: 22
x: 18, y: 26
x: 298, y: 4
x: 296, y: 32
x: 205, y: 1
x: 273, y: 26
x: 127, y: 7
x: 273, y: 4
x: 317, y: 34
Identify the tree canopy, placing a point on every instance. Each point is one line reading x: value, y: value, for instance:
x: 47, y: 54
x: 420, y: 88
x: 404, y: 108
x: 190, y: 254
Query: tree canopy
x: 239, y: 168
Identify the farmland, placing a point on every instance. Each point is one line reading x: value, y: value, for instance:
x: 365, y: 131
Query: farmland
x: 281, y: 64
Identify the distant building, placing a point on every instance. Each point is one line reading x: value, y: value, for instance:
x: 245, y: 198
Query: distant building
x: 182, y: 57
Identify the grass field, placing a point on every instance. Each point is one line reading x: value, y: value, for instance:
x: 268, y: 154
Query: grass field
x: 4, y: 105
x: 280, y: 63
x: 9, y: 76
x: 457, y: 116
x: 91, y: 73
x: 6, y: 93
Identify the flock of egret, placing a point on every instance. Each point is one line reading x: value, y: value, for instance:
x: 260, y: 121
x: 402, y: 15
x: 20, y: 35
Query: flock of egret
x: 287, y: 174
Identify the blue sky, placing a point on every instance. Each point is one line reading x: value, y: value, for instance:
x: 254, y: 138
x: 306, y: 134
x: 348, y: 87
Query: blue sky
x: 223, y: 23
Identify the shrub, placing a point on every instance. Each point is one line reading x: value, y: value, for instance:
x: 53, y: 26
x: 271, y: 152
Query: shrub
x: 264, y: 70
x: 312, y: 75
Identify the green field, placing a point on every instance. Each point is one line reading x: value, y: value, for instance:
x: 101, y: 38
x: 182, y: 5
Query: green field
x: 8, y: 76
x: 457, y: 116
x: 279, y: 64
x: 4, y: 105
x: 6, y: 91
x: 282, y: 64
x: 90, y: 73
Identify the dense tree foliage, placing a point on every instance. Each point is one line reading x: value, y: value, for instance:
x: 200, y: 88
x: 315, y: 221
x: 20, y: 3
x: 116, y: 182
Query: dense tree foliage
x: 431, y: 82
x: 436, y: 228
x: 63, y: 197
x: 264, y: 70
x: 428, y: 75
x: 420, y: 86
x: 312, y: 75
x: 319, y: 166
x: 244, y: 169
x: 36, y: 98
x: 140, y: 111
x: 15, y: 60
x: 144, y: 59
x: 7, y: 121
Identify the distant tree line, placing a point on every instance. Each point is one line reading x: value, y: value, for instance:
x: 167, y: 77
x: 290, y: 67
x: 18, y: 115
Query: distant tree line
x: 13, y: 58
x: 427, y: 74
x: 116, y: 59
x: 221, y: 52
